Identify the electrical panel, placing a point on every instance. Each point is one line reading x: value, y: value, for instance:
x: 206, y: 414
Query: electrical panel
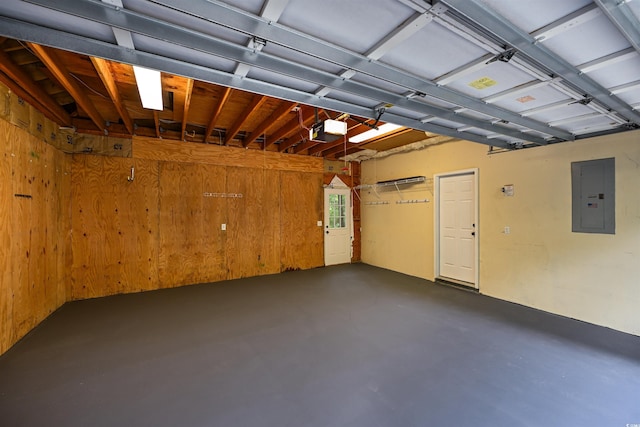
x: 593, y: 196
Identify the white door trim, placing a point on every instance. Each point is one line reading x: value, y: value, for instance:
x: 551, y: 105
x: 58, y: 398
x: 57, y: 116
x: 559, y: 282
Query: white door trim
x: 436, y: 186
x: 338, y: 186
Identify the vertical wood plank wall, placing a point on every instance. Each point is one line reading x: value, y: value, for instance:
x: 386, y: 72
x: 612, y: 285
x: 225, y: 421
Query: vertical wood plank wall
x: 34, y: 230
x: 115, y: 226
x: 164, y: 229
x: 86, y: 231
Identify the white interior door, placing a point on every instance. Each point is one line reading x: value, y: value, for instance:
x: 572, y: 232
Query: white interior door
x: 457, y: 227
x: 337, y: 226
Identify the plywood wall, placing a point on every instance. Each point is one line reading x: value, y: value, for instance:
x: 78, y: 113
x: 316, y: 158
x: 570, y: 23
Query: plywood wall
x: 165, y: 228
x: 253, y: 229
x: 191, y: 241
x: 115, y: 226
x: 301, y: 208
x: 34, y: 230
x: 74, y: 227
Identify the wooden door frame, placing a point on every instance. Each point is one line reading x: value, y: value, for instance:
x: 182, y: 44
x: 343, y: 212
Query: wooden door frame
x: 436, y: 187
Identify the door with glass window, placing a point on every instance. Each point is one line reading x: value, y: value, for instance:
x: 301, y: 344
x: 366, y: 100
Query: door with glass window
x: 337, y: 226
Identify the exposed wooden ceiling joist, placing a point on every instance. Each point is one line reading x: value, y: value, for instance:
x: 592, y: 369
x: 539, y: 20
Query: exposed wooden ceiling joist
x: 280, y: 112
x: 49, y: 57
x: 27, y: 89
x: 185, y: 109
x: 104, y: 71
x: 156, y: 123
x: 217, y: 109
x: 253, y: 106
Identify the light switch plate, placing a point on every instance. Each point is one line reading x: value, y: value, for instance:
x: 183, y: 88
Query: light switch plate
x: 223, y: 227
x: 319, y: 223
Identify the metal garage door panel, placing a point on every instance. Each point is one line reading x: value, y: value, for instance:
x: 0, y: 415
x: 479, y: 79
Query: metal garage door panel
x: 195, y: 23
x: 171, y: 50
x: 570, y: 110
x: 352, y: 25
x: 505, y: 76
x: 535, y: 98
x: 301, y: 58
x: 281, y: 80
x: 632, y: 97
x: 532, y: 15
x: 618, y: 73
x: 588, y: 42
x: 589, y: 124
x: 440, y: 51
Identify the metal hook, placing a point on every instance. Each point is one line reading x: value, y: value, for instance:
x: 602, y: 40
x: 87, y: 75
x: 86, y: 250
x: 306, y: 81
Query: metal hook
x: 131, y: 177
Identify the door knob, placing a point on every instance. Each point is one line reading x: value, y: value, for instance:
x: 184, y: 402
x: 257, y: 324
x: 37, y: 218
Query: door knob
x: 473, y: 233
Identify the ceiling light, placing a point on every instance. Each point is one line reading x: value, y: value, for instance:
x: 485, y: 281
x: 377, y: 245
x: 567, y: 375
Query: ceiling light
x: 382, y: 129
x: 149, y: 87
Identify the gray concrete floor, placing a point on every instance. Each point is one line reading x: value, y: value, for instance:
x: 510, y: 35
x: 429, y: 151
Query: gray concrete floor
x: 341, y: 346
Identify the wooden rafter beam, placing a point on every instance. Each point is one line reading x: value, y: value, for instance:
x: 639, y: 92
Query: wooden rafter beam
x: 51, y: 60
x: 104, y: 71
x: 187, y: 105
x: 27, y: 89
x: 291, y: 141
x: 291, y: 126
x: 280, y: 112
x: 306, y: 145
x: 216, y: 112
x: 340, y: 149
x: 254, y: 105
x: 156, y: 123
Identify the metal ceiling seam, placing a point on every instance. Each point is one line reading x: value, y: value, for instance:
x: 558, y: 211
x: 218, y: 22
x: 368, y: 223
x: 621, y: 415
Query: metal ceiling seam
x: 271, y: 10
x: 403, y: 32
x: 623, y: 18
x: 607, y: 60
x: 494, y: 48
x: 227, y: 16
x: 625, y: 87
x: 525, y: 87
x: 520, y: 63
x: 495, y: 24
x: 570, y: 21
x: 190, y: 39
x: 27, y: 31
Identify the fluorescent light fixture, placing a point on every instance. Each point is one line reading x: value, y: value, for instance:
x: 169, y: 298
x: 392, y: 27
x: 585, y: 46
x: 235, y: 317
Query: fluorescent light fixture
x: 382, y: 129
x: 335, y: 127
x: 149, y: 87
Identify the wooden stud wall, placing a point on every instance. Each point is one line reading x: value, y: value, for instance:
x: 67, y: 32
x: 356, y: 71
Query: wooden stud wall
x: 34, y: 230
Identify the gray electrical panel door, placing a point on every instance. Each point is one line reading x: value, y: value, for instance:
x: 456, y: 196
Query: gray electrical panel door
x: 593, y: 196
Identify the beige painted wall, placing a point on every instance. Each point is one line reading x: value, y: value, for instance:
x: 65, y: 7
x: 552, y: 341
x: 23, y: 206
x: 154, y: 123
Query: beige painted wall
x: 541, y: 264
